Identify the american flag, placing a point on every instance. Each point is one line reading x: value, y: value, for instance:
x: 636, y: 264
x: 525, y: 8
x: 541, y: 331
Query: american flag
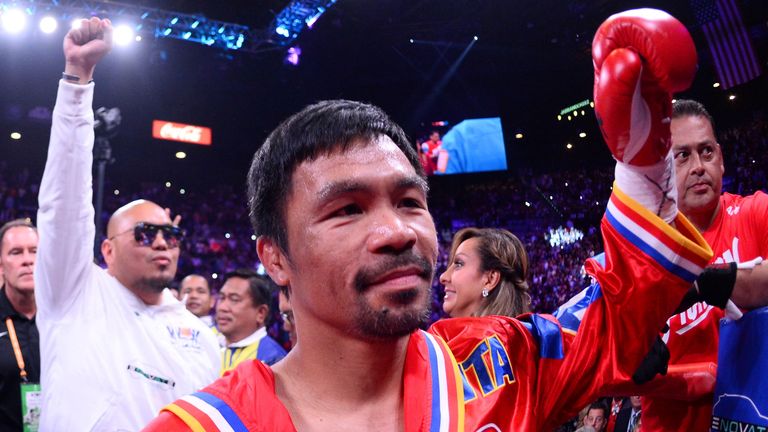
x: 728, y: 41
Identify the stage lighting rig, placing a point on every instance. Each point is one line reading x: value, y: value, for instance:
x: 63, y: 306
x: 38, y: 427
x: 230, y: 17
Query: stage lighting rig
x: 298, y: 15
x: 144, y: 21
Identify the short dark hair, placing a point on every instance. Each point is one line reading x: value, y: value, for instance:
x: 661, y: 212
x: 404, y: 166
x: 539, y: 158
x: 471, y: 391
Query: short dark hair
x: 599, y: 405
x: 259, y: 287
x: 315, y: 131
x: 692, y: 108
x: 13, y: 224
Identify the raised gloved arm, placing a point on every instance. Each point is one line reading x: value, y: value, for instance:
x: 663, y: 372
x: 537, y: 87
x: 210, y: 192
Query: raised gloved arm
x: 641, y: 57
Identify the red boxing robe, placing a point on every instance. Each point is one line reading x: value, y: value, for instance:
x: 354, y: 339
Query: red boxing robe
x: 507, y: 374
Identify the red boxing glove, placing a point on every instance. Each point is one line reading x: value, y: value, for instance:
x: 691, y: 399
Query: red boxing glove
x: 641, y: 57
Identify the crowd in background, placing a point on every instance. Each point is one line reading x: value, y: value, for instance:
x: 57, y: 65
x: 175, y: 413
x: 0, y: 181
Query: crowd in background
x: 220, y: 238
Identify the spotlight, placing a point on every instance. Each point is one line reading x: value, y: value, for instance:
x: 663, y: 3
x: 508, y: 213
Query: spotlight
x: 582, y: 135
x: 15, y: 136
x: 182, y: 191
x: 77, y: 23
x: 14, y: 20
x: 253, y: 237
x: 123, y: 35
x: 569, y: 146
x: 167, y: 184
x: 410, y: 40
x: 732, y: 97
x: 282, y: 31
x: 138, y: 38
x: 117, y: 192
x: 293, y: 55
x: 48, y: 24
x: 475, y: 37
x: 519, y: 135
x: 716, y: 85
x: 214, y: 276
x: 180, y: 155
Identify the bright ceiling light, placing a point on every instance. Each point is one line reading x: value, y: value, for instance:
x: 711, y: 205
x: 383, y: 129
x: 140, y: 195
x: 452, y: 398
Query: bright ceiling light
x: 180, y: 155
x: 14, y: 20
x: 123, y: 35
x: 15, y: 136
x: 48, y: 24
x: 582, y: 135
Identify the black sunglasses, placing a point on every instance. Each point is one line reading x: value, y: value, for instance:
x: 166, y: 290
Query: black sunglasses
x: 145, y: 234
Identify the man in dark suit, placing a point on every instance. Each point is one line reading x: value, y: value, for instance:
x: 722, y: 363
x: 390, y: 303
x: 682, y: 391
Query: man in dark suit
x: 629, y: 416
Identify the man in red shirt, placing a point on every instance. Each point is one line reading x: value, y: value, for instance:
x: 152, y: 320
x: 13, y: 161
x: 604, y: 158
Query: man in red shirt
x: 736, y: 229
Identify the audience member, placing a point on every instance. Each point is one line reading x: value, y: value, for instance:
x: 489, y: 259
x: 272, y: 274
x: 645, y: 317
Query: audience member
x: 196, y: 295
x: 241, y: 316
x: 629, y: 417
x: 597, y: 416
x: 19, y: 341
x: 286, y: 313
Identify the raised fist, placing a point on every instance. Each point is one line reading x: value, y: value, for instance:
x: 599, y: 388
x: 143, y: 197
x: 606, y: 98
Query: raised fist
x: 641, y: 57
x: 85, y: 45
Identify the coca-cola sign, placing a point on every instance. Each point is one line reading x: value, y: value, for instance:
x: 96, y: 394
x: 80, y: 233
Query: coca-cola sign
x: 181, y: 132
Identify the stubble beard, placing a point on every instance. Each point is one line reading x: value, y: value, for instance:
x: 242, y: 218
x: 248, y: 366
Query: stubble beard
x: 405, y: 311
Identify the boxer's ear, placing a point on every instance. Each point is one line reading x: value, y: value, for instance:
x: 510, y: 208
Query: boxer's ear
x: 274, y: 259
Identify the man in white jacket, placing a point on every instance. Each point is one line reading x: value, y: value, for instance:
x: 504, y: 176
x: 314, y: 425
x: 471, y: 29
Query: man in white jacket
x: 116, y: 346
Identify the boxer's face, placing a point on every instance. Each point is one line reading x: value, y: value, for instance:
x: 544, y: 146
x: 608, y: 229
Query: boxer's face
x: 698, y: 164
x: 362, y: 243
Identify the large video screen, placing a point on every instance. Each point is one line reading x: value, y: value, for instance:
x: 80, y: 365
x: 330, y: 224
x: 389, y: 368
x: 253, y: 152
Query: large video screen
x: 467, y: 146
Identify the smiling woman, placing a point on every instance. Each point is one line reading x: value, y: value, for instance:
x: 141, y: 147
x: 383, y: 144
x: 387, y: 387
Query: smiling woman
x: 487, y: 274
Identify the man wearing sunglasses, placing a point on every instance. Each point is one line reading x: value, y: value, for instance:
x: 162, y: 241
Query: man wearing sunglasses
x: 116, y: 345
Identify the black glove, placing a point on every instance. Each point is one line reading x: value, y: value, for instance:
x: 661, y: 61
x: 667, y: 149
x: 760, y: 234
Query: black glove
x: 656, y: 361
x: 715, y: 284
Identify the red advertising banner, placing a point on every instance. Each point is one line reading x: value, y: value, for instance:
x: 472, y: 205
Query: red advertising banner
x: 186, y: 133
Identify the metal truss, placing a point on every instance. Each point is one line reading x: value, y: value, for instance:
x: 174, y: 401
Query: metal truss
x: 160, y: 23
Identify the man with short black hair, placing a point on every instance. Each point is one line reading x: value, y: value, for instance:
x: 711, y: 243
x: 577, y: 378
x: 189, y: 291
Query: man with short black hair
x: 242, y: 314
x: 735, y: 227
x: 18, y: 249
x: 195, y: 291
x: 597, y: 416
